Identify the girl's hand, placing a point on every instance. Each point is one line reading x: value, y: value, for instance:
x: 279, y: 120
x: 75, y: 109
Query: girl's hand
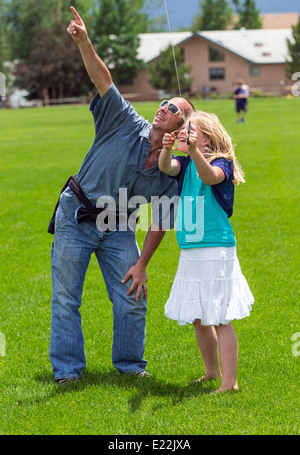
x: 193, y: 141
x: 168, y: 141
x: 188, y: 140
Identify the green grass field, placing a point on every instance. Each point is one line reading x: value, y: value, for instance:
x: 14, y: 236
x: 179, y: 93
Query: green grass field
x: 40, y: 149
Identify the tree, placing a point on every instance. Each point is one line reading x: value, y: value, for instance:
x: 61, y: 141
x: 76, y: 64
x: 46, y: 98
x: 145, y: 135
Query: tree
x: 28, y: 17
x: 249, y: 16
x: 48, y: 58
x: 162, y: 73
x: 116, y: 30
x: 113, y: 27
x: 293, y: 63
x: 4, y: 41
x: 214, y: 15
x: 54, y: 65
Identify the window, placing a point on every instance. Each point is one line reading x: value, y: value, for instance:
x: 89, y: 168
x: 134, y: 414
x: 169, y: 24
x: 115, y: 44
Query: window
x: 215, y: 55
x: 216, y: 74
x: 254, y: 70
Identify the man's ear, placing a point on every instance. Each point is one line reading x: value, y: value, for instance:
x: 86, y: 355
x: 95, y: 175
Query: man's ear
x: 205, y: 142
x: 180, y: 123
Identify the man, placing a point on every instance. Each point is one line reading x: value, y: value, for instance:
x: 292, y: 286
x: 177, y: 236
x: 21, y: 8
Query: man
x: 124, y: 155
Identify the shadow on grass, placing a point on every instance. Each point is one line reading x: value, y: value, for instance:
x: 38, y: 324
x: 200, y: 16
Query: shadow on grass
x: 141, y: 387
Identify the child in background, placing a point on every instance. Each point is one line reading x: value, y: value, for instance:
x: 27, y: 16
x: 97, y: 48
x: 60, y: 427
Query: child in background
x: 240, y: 95
x: 209, y: 289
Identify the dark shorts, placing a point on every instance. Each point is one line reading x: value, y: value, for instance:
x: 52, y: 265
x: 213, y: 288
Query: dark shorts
x: 241, y: 106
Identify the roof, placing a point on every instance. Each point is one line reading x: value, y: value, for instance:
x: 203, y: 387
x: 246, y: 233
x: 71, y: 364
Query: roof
x: 151, y: 44
x: 256, y: 46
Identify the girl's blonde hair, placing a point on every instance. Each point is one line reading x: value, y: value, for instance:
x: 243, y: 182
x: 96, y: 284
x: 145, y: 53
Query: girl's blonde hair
x: 220, y: 144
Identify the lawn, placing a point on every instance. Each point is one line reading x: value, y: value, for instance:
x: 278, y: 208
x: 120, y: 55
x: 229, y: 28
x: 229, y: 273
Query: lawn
x: 40, y: 148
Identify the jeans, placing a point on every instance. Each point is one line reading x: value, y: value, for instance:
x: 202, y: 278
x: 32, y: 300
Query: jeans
x: 116, y: 252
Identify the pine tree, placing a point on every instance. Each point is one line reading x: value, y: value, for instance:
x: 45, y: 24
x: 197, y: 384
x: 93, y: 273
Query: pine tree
x: 162, y: 73
x: 249, y: 16
x: 4, y: 41
x: 116, y: 37
x: 293, y: 63
x: 214, y: 15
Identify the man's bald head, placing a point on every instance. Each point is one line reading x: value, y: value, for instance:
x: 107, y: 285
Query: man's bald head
x: 184, y: 105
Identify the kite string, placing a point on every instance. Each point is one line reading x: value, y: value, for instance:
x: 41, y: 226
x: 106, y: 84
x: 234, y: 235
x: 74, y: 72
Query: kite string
x: 170, y: 31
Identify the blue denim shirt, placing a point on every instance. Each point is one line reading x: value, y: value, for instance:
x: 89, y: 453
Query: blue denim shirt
x: 117, y: 157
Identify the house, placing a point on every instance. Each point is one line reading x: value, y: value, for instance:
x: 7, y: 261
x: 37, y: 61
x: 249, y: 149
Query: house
x: 218, y: 58
x: 279, y: 20
x: 274, y: 20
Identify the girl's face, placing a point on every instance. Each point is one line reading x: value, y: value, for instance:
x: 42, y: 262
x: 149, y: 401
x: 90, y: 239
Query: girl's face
x: 202, y: 140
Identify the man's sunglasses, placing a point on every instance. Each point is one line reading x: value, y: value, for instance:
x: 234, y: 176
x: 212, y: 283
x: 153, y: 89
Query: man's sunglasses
x: 172, y: 108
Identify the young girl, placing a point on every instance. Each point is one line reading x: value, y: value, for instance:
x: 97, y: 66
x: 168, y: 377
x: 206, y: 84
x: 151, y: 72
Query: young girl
x: 209, y: 289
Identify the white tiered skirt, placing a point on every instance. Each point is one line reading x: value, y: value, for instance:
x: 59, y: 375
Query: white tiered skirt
x: 210, y: 286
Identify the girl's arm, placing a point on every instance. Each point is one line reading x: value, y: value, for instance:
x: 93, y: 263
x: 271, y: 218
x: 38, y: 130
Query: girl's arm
x: 166, y: 163
x: 210, y: 175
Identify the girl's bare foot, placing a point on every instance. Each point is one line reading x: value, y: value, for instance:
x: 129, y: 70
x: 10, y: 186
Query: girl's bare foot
x: 207, y: 377
x: 222, y: 389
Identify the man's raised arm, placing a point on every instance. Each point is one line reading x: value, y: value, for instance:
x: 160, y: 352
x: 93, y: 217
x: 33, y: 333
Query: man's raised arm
x: 97, y: 70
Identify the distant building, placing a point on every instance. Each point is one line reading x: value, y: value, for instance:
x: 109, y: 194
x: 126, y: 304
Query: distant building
x: 218, y: 59
x: 279, y: 20
x: 275, y: 20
